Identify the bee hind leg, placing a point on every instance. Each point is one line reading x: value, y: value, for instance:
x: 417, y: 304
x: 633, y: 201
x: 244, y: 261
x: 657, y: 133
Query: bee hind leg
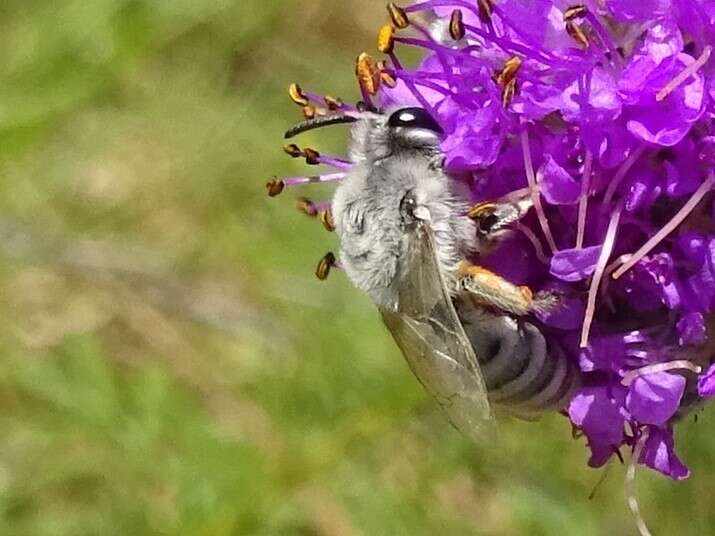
x: 491, y: 290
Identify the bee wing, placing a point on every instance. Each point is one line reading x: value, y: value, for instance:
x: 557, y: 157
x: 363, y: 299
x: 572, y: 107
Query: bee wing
x: 427, y: 329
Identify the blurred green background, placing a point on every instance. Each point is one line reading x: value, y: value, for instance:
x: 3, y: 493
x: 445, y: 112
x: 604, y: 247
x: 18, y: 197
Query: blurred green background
x: 168, y: 362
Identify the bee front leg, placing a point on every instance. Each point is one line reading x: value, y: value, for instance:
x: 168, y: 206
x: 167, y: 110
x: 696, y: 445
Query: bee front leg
x: 494, y: 218
x: 489, y: 289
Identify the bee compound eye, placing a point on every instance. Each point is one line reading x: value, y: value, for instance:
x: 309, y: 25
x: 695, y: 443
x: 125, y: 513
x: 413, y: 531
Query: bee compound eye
x: 414, y: 118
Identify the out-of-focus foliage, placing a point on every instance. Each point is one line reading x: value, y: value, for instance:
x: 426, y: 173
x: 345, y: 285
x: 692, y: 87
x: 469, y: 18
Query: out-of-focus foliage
x: 168, y: 364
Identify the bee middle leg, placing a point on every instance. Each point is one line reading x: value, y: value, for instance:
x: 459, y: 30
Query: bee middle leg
x: 492, y: 290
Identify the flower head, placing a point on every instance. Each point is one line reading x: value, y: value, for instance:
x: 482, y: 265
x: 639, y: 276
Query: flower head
x: 606, y: 113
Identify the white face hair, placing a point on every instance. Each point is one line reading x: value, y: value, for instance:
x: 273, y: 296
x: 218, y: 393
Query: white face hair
x: 397, y: 180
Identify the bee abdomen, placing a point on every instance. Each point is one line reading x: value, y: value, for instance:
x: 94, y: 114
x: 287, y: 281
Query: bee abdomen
x: 519, y: 369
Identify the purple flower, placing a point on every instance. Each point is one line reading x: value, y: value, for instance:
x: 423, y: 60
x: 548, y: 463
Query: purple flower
x: 706, y: 383
x: 575, y: 264
x: 598, y: 413
x: 610, y: 112
x: 658, y: 454
x: 557, y: 185
x: 654, y: 398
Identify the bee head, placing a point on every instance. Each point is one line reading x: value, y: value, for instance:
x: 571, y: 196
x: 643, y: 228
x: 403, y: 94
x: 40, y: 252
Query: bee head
x: 378, y: 135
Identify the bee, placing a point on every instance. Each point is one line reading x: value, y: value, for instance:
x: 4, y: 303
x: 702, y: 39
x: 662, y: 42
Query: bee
x: 406, y: 233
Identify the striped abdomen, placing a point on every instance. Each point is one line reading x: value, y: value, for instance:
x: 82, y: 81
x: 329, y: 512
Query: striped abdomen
x: 518, y: 368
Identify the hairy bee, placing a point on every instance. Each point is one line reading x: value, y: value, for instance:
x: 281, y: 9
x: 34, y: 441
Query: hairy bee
x: 406, y: 233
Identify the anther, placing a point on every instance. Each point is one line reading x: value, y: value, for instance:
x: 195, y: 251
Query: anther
x: 275, y: 187
x: 297, y: 96
x: 306, y: 206
x: 486, y: 8
x: 508, y: 72
x: 387, y: 79
x: 398, y: 16
x: 481, y: 210
x: 386, y: 39
x: 363, y: 106
x: 456, y: 25
x: 367, y: 73
x: 508, y: 93
x: 309, y: 111
x: 293, y: 150
x: 322, y: 271
x: 385, y: 76
x: 577, y: 11
x: 577, y: 34
x: 333, y: 103
x: 312, y: 157
x: 326, y: 218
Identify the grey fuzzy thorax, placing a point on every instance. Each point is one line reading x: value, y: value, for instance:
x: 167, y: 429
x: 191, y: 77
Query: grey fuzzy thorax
x: 372, y: 229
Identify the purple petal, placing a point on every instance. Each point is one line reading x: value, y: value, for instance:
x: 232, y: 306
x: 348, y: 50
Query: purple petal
x: 706, y: 382
x: 691, y: 328
x: 638, y: 10
x: 659, y: 454
x: 569, y: 312
x: 557, y: 185
x: 575, y: 264
x: 668, y: 121
x: 598, y: 415
x: 654, y: 398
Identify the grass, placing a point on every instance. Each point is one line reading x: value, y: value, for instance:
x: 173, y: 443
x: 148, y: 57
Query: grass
x: 168, y: 363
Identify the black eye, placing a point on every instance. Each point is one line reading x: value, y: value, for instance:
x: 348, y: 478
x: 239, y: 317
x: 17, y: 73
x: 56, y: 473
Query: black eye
x: 414, y: 118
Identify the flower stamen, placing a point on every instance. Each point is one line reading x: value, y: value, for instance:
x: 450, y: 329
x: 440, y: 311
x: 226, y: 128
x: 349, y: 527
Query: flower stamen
x: 684, y: 74
x: 606, y: 250
x: 322, y: 271
x: 386, y: 39
x: 621, y: 173
x: 486, y: 9
x: 309, y: 207
x: 314, y: 158
x: 398, y: 16
x: 669, y: 227
x: 678, y: 364
x: 411, y: 86
x: 583, y: 202
x: 368, y: 76
x: 577, y: 34
x: 531, y: 236
x: 326, y: 218
x: 575, y: 12
x: 276, y: 186
x: 533, y: 185
x: 295, y: 92
x: 630, y: 485
x: 456, y: 25
x: 507, y: 73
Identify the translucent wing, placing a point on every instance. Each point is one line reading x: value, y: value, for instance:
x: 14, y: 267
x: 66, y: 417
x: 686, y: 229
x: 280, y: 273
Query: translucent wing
x: 427, y: 330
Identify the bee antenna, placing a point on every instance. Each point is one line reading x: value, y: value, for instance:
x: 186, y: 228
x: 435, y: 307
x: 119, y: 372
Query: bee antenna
x: 318, y: 122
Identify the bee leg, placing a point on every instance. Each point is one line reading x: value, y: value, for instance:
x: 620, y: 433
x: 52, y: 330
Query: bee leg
x: 491, y: 290
x: 494, y: 218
